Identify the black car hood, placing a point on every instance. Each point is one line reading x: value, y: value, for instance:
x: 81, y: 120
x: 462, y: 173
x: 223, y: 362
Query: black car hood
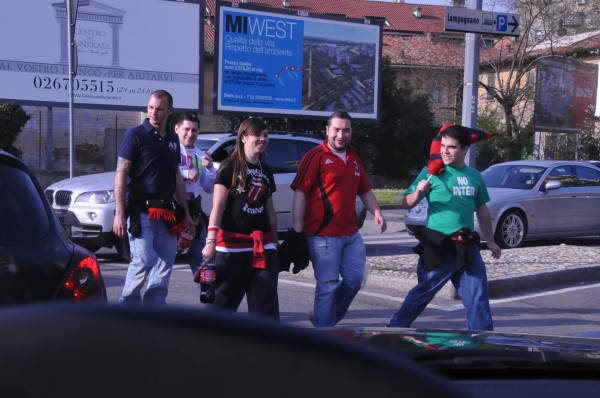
x: 432, y: 346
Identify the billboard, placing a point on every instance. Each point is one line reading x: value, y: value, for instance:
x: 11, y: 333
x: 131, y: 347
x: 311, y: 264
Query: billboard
x: 125, y: 50
x: 597, y: 113
x: 272, y: 62
x: 565, y: 95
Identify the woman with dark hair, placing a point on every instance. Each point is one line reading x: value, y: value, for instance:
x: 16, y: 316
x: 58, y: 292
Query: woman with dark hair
x: 242, y: 229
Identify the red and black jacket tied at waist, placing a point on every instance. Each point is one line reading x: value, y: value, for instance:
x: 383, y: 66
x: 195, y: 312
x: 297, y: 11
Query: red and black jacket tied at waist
x: 256, y: 240
x: 434, y: 247
x: 158, y: 209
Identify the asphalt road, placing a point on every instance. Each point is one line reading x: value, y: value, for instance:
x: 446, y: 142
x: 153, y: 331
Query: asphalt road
x: 573, y: 311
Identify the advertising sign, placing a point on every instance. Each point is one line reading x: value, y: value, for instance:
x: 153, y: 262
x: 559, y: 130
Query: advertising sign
x: 125, y: 49
x: 565, y: 94
x: 462, y: 19
x: 269, y: 62
x: 597, y: 113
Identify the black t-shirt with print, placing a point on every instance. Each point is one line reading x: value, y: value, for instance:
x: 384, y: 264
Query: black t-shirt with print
x: 246, y: 211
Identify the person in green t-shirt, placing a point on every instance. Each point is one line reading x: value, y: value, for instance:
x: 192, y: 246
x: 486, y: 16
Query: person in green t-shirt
x: 453, y: 196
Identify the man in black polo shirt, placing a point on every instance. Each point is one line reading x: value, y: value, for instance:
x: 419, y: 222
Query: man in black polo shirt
x: 147, y: 169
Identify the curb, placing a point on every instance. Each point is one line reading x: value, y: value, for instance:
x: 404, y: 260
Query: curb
x: 504, y: 287
x: 540, y: 281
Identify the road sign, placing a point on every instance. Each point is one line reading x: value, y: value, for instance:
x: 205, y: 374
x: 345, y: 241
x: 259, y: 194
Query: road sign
x: 462, y: 19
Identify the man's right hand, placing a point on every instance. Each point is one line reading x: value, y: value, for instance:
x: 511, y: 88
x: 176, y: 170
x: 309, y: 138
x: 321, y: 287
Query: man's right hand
x: 120, y: 226
x: 423, y: 187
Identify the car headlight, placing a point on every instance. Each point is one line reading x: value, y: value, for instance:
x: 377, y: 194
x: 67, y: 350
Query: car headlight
x: 96, y: 197
x: 420, y: 209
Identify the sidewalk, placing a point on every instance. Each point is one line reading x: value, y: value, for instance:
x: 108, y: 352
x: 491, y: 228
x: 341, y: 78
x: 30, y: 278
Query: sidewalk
x: 518, y: 271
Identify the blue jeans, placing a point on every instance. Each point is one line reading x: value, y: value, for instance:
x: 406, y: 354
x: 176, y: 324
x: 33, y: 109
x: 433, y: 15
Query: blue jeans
x: 471, y: 285
x: 152, y: 258
x: 331, y: 257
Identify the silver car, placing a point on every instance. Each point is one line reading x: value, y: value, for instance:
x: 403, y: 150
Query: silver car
x: 86, y: 204
x: 536, y: 199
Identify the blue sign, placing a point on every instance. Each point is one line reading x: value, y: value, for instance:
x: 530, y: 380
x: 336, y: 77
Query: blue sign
x: 269, y: 61
x: 501, y: 22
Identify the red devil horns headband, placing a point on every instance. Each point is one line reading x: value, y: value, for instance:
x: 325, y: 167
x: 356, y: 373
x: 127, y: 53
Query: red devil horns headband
x: 435, y: 165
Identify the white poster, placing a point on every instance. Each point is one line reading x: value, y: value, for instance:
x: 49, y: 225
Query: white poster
x: 125, y: 50
x: 597, y: 112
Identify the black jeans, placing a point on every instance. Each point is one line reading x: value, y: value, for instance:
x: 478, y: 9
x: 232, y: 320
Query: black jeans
x: 236, y: 277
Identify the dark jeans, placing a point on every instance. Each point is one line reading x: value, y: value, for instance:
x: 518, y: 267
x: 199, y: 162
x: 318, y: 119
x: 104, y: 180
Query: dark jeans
x: 471, y: 285
x: 236, y: 277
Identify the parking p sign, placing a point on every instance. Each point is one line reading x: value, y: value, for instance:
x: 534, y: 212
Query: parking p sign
x: 501, y: 22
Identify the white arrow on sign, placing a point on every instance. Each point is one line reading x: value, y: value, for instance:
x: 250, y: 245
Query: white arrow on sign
x: 462, y: 19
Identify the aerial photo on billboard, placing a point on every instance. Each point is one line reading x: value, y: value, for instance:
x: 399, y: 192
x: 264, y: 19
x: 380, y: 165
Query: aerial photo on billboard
x: 286, y: 64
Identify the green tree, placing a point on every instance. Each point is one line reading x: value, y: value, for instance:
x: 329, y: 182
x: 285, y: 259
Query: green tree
x: 501, y: 147
x: 399, y: 143
x: 590, y: 137
x: 12, y: 120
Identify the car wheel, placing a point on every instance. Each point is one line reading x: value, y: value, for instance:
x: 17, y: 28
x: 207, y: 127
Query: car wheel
x: 122, y: 246
x: 511, y: 230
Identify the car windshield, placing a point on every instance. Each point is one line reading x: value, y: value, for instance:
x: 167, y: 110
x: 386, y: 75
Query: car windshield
x: 512, y: 176
x: 204, y: 143
x: 22, y: 208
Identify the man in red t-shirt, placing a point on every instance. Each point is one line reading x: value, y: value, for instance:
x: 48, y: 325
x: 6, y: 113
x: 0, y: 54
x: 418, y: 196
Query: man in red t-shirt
x: 329, y: 178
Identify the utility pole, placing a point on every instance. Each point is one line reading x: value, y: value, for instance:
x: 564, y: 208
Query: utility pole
x: 470, y: 82
x: 71, y: 21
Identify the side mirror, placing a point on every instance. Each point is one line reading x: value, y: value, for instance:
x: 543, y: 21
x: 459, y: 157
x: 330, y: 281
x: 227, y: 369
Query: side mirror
x: 552, y: 184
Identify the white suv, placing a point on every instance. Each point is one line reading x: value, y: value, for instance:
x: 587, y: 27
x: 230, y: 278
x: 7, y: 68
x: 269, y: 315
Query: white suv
x: 85, y: 205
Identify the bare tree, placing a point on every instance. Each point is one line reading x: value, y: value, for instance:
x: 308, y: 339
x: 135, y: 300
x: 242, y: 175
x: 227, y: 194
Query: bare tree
x: 509, y: 63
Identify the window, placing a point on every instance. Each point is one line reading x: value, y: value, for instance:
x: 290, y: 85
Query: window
x: 435, y: 94
x: 579, y: 19
x: 283, y: 156
x: 587, y: 176
x: 564, y: 174
x: 204, y: 144
x: 24, y: 217
x: 539, y: 36
x: 515, y: 177
x: 224, y: 151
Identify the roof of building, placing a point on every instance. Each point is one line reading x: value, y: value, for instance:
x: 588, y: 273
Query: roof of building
x: 423, y: 51
x: 582, y: 42
x: 405, y: 39
x: 400, y: 17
